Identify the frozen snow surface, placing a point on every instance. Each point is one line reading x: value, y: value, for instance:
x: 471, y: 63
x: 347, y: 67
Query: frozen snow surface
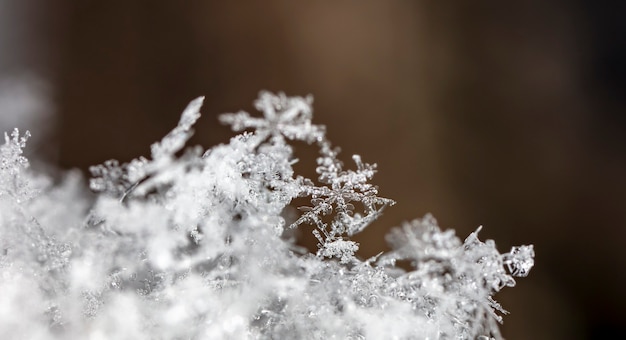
x: 191, y: 245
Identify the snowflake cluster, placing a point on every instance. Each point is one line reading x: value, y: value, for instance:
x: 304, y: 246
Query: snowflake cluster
x: 194, y: 245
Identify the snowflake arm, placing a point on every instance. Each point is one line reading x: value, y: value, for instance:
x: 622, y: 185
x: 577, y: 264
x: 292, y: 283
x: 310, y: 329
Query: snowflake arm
x: 142, y: 175
x: 176, y: 139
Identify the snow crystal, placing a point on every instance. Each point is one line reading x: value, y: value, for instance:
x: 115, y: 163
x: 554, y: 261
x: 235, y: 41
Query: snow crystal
x: 192, y: 245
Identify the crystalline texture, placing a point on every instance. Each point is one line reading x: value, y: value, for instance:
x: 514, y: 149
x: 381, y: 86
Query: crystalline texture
x: 192, y: 246
x: 282, y: 116
x: 520, y: 260
x: 13, y: 182
x: 119, y: 180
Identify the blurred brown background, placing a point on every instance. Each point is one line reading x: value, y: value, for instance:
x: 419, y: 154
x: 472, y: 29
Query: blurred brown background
x: 509, y: 116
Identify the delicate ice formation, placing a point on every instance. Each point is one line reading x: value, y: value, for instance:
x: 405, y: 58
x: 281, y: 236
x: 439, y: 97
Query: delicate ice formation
x: 191, y: 247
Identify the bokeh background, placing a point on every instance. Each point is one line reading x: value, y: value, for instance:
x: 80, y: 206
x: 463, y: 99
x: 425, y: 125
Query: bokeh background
x: 507, y: 115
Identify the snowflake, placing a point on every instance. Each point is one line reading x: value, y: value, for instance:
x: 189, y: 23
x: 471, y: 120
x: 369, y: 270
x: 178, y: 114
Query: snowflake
x: 520, y: 260
x: 13, y: 180
x: 11, y: 159
x: 343, y: 189
x: 290, y: 118
x: 282, y: 116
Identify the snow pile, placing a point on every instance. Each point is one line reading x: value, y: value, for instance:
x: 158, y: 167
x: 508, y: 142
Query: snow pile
x: 191, y: 245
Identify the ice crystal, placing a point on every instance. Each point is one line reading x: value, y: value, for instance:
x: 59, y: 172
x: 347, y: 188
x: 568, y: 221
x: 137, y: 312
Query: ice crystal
x: 520, y: 260
x: 119, y: 180
x: 282, y: 116
x: 12, y: 164
x: 193, y: 245
x: 444, y: 267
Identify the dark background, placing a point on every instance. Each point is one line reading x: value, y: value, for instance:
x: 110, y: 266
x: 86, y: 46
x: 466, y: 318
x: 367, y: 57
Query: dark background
x: 509, y: 116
